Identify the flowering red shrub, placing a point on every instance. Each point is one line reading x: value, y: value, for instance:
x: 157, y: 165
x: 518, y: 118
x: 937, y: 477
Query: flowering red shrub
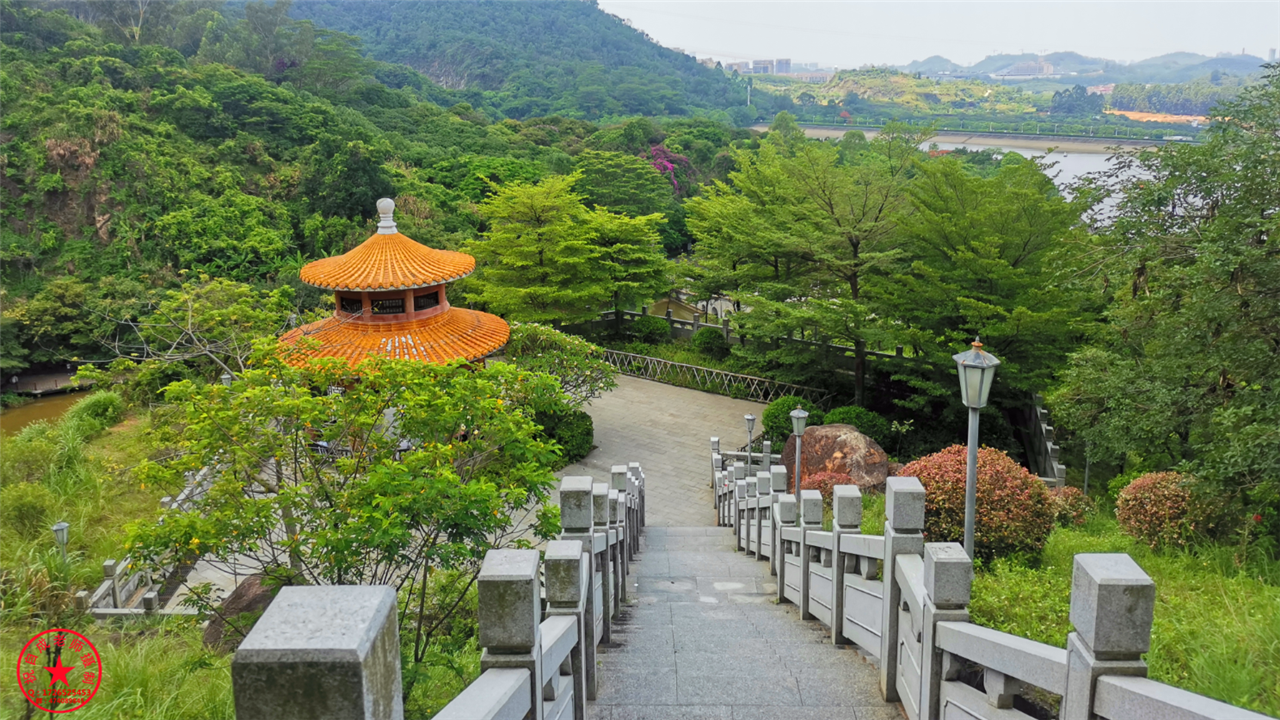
x: 1013, y: 514
x: 1159, y: 509
x: 825, y: 483
x: 1070, y: 506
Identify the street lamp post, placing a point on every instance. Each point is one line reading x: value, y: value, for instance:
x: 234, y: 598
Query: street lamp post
x: 977, y: 371
x: 60, y: 535
x: 798, y: 419
x: 751, y: 424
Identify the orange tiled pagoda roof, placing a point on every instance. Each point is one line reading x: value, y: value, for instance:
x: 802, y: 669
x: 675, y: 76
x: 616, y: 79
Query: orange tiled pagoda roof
x: 388, y: 262
x: 456, y: 334
x: 382, y: 265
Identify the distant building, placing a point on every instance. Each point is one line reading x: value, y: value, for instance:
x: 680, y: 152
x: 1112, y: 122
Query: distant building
x: 741, y: 67
x: 782, y: 66
x: 1271, y: 55
x: 810, y: 76
x: 762, y: 67
x: 708, y: 61
x: 1102, y: 89
x: 1029, y: 69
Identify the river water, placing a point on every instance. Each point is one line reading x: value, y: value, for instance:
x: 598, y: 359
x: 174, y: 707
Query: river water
x: 49, y: 407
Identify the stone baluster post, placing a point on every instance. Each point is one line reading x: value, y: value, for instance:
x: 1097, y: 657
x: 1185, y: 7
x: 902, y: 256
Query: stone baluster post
x: 846, y: 519
x: 619, y: 481
x: 324, y: 651
x: 618, y: 552
x: 1112, y: 605
x: 568, y: 577
x: 717, y: 462
x: 600, y: 517
x: 778, y: 488
x: 638, y: 473
x: 810, y: 521
x: 786, y: 517
x: 576, y: 521
x: 109, y: 568
x: 766, y: 454
x: 948, y: 580
x: 749, y: 517
x: 904, y: 521
x: 764, y: 506
x: 727, y: 333
x: 739, y: 502
x: 510, y: 615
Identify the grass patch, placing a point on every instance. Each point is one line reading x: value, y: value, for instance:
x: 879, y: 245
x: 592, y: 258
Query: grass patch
x: 1217, y: 625
x: 156, y: 669
x: 90, y: 476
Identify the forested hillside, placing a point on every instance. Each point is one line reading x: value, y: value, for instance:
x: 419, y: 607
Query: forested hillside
x: 541, y: 57
x: 130, y: 167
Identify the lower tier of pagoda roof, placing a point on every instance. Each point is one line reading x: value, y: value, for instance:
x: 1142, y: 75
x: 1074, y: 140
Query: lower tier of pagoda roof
x: 456, y: 334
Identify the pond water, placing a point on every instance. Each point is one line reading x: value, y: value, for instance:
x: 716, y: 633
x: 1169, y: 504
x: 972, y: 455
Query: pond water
x: 49, y: 407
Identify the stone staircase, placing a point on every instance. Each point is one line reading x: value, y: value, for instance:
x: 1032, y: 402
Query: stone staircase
x: 704, y: 638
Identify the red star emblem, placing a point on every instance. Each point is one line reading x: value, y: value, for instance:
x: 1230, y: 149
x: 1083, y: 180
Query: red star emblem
x: 59, y: 672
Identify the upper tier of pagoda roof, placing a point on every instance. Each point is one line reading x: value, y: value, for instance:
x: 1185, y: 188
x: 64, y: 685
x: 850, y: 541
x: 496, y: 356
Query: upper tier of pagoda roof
x: 387, y: 261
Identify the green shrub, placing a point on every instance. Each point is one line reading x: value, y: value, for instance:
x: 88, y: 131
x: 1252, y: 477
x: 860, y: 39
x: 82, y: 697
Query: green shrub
x: 650, y: 329
x: 572, y: 429
x: 1014, y: 515
x: 777, y: 417
x: 869, y: 423
x: 1070, y: 506
x: 104, y: 408
x: 27, y: 508
x: 28, y: 457
x: 1160, y: 509
x: 711, y: 342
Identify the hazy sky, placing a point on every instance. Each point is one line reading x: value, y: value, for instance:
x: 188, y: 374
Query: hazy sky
x: 850, y: 33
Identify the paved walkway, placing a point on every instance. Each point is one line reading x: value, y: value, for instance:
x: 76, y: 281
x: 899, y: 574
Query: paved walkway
x: 667, y: 430
x: 703, y: 638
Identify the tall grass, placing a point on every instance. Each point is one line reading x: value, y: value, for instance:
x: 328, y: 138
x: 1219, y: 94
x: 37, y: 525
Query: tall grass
x: 1217, y: 623
x: 88, y: 469
x: 153, y: 670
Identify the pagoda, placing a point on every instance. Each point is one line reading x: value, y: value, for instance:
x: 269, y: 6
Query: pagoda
x: 391, y: 301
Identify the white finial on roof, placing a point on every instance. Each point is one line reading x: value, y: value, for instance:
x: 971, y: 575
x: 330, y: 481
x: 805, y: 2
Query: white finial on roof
x: 386, y: 213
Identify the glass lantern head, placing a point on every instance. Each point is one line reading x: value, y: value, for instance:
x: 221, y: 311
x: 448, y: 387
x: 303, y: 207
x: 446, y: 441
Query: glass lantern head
x: 751, y: 422
x: 60, y: 532
x: 977, y: 370
x: 798, y: 419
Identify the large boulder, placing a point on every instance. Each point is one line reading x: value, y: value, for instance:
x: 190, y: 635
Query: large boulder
x: 242, y: 608
x: 839, y: 449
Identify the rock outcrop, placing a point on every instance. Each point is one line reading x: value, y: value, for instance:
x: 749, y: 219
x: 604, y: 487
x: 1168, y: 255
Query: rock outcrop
x: 839, y: 449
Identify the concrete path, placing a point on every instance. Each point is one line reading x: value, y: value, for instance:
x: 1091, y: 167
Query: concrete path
x: 703, y: 638
x: 667, y: 430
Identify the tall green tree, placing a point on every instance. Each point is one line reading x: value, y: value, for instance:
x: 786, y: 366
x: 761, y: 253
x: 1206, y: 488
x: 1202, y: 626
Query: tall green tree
x: 795, y: 230
x: 1185, y: 372
x: 985, y: 257
x: 634, y: 264
x: 406, y: 478
x: 538, y: 260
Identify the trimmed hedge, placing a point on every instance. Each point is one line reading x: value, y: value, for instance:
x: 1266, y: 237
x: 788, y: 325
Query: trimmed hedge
x: 650, y: 329
x: 572, y: 429
x: 777, y: 417
x: 711, y: 342
x: 1014, y: 514
x: 1070, y: 506
x: 1159, y: 509
x: 869, y: 423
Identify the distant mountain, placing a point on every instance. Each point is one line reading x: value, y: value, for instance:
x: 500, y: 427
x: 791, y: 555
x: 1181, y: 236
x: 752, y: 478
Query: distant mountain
x: 1178, y: 67
x: 540, y: 56
x: 932, y: 64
